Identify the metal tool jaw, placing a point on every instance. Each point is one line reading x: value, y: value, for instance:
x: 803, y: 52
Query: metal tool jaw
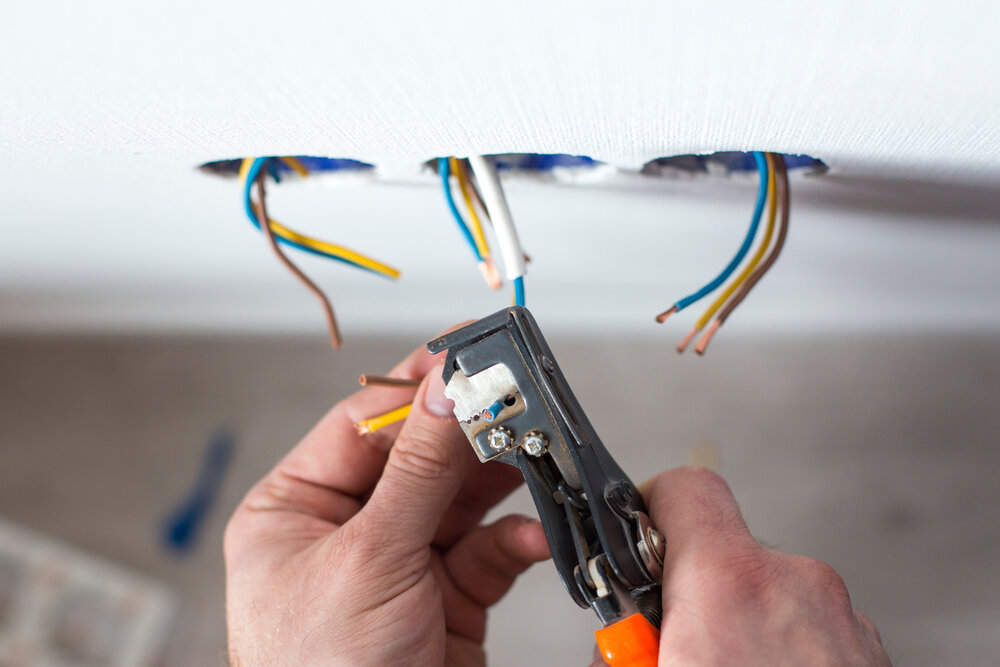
x: 515, y: 406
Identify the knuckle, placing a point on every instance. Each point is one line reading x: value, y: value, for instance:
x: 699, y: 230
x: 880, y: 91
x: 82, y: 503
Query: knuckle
x: 749, y: 574
x: 824, y: 580
x: 421, y: 452
x: 269, y: 493
x: 371, y: 557
x: 350, y: 547
x: 701, y: 477
x: 868, y: 626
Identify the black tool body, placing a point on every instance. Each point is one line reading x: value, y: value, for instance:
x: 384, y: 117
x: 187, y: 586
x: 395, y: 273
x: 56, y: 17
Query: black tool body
x: 516, y: 407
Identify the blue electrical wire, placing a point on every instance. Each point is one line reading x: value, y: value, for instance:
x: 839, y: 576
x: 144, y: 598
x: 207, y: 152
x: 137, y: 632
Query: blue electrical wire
x: 445, y: 172
x: 491, y: 412
x: 252, y: 174
x: 519, y: 291
x: 747, y: 242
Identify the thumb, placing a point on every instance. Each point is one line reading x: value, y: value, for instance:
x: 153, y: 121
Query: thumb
x: 423, y: 473
x: 697, y: 514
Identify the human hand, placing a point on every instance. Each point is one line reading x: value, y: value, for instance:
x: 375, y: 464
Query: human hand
x: 727, y: 600
x: 368, y: 550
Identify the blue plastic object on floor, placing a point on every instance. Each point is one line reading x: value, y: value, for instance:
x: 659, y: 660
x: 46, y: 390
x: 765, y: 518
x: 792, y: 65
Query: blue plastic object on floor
x: 182, y: 526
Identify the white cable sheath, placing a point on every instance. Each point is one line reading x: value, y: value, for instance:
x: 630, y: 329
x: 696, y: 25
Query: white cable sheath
x: 496, y: 206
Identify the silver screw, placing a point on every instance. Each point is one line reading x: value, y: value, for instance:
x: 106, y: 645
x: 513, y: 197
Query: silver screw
x: 651, y: 545
x: 656, y: 542
x: 534, y: 443
x: 499, y: 438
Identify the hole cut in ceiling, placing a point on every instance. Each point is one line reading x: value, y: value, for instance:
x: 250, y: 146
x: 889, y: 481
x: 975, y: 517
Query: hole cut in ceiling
x: 298, y: 165
x: 543, y: 167
x: 725, y: 163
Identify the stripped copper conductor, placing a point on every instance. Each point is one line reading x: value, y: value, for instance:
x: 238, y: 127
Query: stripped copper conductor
x: 369, y: 380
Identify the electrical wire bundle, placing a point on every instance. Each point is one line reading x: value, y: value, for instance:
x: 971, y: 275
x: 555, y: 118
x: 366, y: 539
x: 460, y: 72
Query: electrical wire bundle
x: 484, y: 194
x: 254, y: 171
x: 773, y: 190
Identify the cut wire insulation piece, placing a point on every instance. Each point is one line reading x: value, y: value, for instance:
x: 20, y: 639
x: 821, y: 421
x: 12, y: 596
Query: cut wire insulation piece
x: 784, y: 201
x: 261, y: 207
x: 762, y: 248
x: 369, y: 380
x: 740, y: 253
x: 372, y: 424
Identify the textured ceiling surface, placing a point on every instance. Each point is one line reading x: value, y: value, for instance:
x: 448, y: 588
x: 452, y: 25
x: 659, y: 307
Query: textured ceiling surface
x: 108, y: 106
x: 901, y: 85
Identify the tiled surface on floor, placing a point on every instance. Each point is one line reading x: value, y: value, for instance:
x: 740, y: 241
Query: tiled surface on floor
x: 878, y: 456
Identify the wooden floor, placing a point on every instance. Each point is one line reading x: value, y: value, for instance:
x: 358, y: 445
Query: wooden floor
x: 879, y: 456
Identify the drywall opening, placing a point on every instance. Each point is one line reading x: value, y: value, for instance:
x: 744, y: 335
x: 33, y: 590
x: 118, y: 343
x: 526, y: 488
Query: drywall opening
x: 279, y: 169
x: 725, y: 163
x: 544, y: 167
x: 558, y: 167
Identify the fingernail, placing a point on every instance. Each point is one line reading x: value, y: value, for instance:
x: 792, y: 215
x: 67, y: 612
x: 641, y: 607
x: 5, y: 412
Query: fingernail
x: 434, y: 400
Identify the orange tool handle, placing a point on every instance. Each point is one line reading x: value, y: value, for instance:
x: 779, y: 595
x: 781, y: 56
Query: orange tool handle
x: 631, y: 642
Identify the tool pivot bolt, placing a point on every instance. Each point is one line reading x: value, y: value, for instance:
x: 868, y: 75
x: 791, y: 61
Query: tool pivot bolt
x: 499, y: 438
x: 535, y: 443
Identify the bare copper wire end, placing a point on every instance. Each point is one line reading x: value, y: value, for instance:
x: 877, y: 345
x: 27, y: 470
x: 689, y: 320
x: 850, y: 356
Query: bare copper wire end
x: 687, y: 339
x: 490, y: 273
x: 362, y: 429
x: 368, y: 380
x: 265, y: 226
x: 662, y: 317
x: 707, y: 338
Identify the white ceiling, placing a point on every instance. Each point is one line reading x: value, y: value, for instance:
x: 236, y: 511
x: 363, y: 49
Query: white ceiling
x: 108, y: 106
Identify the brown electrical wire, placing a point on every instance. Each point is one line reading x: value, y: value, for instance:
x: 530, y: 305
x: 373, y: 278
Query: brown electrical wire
x: 265, y: 226
x: 368, y: 380
x: 474, y: 188
x: 783, y: 200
